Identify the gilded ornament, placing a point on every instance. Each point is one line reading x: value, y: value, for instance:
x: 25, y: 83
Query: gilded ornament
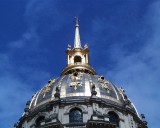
x: 75, y: 80
x: 104, y: 83
x: 47, y: 87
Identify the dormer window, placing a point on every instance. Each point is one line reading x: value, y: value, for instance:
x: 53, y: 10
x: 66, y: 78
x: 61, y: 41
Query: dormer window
x: 77, y: 60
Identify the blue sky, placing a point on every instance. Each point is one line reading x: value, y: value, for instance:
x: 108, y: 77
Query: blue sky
x: 123, y: 37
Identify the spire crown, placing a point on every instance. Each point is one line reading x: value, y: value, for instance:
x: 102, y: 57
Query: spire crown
x: 77, y: 41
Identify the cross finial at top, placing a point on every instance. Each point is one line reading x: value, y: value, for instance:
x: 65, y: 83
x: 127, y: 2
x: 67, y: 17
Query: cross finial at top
x: 76, y: 20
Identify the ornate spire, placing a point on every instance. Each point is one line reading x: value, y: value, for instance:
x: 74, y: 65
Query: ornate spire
x: 78, y: 57
x: 77, y: 41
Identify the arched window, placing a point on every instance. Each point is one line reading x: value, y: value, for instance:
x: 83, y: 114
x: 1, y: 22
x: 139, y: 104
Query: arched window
x: 113, y: 117
x: 75, y: 116
x: 39, y: 120
x: 77, y: 59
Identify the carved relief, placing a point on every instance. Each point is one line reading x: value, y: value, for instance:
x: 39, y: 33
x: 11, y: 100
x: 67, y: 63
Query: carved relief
x: 104, y: 83
x: 75, y: 79
x: 47, y: 87
x: 125, y: 98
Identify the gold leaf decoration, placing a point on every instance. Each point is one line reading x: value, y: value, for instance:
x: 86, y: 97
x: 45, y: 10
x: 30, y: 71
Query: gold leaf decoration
x: 47, y: 87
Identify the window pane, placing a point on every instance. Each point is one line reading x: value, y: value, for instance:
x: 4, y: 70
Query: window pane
x: 75, y: 116
x: 113, y: 117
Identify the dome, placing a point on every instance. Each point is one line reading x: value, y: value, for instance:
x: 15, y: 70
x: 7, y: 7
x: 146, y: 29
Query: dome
x: 82, y: 86
x: 80, y: 98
